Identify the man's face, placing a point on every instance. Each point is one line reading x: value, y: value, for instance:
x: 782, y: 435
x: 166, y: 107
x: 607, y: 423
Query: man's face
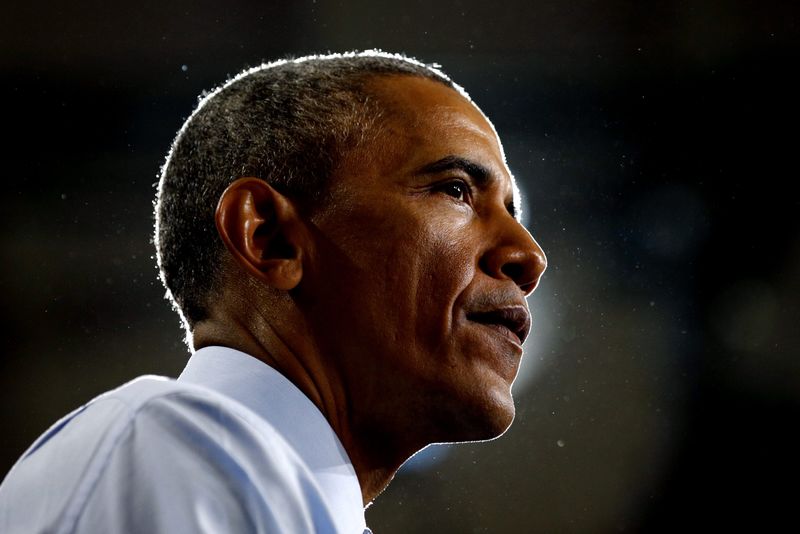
x: 417, y: 282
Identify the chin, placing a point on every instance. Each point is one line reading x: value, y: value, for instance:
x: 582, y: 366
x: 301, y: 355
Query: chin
x: 478, y: 417
x: 493, y: 406
x: 498, y: 419
x: 481, y: 404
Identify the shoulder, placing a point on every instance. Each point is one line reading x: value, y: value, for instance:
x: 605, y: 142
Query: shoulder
x: 175, y: 408
x: 167, y: 445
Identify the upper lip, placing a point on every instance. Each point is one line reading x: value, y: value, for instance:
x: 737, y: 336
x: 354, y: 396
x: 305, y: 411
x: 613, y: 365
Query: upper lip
x: 514, y: 317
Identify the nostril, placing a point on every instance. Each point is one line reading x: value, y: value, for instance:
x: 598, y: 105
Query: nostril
x: 514, y: 271
x: 529, y: 287
x: 523, y: 267
x: 524, y: 277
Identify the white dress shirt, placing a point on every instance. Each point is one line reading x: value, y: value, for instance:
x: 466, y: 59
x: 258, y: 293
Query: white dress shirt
x: 230, y: 447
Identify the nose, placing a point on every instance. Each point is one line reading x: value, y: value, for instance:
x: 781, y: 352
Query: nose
x: 516, y: 256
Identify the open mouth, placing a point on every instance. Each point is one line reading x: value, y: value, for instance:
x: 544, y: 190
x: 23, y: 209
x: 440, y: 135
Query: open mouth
x: 514, y: 321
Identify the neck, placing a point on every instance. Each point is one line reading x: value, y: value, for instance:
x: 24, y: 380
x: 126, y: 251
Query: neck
x: 377, y: 463
x: 375, y: 456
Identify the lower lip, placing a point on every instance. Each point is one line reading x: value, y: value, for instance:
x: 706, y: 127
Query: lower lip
x: 505, y: 332
x: 506, y: 350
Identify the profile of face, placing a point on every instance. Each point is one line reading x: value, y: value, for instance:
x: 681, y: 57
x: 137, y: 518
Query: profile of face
x: 415, y: 289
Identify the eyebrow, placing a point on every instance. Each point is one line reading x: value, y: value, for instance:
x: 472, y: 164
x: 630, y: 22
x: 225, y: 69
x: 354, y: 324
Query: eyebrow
x: 479, y: 174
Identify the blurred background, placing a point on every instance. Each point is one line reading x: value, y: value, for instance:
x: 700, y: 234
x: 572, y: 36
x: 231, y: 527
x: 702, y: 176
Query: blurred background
x: 654, y: 143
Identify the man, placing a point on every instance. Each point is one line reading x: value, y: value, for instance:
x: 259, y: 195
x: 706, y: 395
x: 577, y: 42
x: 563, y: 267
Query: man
x: 340, y: 237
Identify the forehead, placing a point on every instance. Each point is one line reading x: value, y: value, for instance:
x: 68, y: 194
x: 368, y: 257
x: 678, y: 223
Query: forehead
x: 424, y: 121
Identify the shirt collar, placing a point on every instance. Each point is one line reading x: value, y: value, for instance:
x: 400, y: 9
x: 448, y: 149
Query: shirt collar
x: 269, y: 394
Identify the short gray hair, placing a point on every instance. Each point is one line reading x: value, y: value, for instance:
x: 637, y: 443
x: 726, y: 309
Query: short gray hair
x: 288, y: 123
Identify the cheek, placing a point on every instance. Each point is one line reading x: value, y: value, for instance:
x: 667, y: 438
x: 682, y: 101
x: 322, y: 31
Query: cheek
x: 450, y: 266
x: 439, y: 267
x: 403, y: 269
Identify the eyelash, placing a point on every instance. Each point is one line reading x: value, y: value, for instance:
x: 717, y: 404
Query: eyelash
x: 447, y: 188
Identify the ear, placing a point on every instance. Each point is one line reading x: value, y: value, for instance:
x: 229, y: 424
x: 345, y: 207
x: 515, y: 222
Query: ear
x: 262, y: 230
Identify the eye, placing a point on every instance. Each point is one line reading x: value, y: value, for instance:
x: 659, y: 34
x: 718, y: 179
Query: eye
x: 456, y: 189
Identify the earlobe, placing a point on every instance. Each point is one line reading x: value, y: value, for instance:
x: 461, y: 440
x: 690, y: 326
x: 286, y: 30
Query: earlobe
x: 261, y: 229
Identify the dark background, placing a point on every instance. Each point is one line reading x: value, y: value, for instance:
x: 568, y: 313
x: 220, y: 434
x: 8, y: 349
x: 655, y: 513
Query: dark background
x: 655, y: 143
